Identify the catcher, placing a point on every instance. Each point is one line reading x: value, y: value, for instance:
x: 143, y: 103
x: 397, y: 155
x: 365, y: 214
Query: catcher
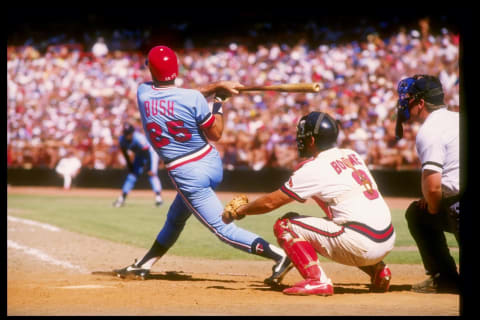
x: 357, y: 230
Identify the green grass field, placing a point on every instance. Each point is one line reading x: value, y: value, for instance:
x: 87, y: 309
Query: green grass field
x: 139, y: 222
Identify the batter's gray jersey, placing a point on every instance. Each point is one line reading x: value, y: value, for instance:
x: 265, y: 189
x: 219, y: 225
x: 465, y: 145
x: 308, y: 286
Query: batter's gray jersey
x: 438, y: 147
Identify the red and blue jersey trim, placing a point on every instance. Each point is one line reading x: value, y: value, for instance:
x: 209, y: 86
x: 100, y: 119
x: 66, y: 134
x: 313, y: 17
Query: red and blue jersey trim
x: 292, y: 194
x: 207, y: 122
x: 189, y: 157
x: 374, y: 235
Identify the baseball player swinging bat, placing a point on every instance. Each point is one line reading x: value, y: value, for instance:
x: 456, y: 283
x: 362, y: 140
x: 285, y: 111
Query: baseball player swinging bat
x: 290, y: 87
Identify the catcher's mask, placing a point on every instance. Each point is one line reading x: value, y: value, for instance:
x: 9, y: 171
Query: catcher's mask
x: 321, y: 126
x: 410, y: 90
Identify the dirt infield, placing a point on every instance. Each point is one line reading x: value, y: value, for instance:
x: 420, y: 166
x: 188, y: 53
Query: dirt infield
x: 49, y: 272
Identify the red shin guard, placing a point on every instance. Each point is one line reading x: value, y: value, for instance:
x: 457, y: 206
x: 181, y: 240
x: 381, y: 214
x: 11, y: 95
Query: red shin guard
x: 300, y: 251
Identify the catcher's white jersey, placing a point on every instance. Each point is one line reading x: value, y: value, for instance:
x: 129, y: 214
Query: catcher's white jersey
x: 338, y: 189
x: 438, y: 148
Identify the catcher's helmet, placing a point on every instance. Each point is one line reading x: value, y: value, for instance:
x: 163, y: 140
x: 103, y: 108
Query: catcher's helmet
x: 321, y: 126
x: 163, y: 64
x: 420, y: 86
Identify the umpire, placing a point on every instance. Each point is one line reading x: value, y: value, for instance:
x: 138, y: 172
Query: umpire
x: 437, y: 143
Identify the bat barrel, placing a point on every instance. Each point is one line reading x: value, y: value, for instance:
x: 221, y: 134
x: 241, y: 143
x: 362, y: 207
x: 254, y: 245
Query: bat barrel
x: 290, y: 87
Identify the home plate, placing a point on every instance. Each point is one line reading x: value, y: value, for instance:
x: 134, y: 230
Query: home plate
x: 86, y: 286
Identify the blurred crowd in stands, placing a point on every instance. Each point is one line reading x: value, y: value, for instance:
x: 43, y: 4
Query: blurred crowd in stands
x: 72, y: 98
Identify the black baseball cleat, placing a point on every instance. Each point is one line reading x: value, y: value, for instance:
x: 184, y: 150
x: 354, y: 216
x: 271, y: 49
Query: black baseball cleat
x: 132, y: 272
x: 279, y: 270
x: 436, y: 284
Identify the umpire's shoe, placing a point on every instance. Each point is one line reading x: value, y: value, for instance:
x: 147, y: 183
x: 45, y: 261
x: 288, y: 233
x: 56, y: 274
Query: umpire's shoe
x: 437, y: 284
x: 132, y: 272
x: 279, y: 270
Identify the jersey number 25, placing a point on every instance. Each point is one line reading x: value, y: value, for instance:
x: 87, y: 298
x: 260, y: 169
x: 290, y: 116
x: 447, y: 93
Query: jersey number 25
x: 175, y: 129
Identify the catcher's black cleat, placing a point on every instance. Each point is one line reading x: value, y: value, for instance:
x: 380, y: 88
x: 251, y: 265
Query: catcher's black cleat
x: 279, y: 270
x: 132, y: 272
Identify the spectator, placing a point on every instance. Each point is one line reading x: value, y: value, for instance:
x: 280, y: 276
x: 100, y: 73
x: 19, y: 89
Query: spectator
x: 68, y: 95
x: 100, y: 49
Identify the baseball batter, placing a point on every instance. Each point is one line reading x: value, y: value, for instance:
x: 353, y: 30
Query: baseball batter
x: 177, y: 123
x: 357, y: 229
x: 145, y: 157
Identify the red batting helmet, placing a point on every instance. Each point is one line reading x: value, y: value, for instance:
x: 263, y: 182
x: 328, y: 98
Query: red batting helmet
x: 163, y: 63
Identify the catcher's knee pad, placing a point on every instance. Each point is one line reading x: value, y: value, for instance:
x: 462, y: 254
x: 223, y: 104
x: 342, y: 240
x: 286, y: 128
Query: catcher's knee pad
x: 301, y: 252
x: 281, y: 230
x: 282, y: 227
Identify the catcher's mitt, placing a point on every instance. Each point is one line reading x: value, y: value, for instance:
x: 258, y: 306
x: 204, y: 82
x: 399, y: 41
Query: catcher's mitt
x: 230, y: 210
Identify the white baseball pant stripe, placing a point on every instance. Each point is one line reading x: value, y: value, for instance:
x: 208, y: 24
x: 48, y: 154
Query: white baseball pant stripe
x: 351, y: 244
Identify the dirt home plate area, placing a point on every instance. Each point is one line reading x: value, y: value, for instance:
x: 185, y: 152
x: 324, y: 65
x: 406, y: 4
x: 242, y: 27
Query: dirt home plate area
x: 55, y: 272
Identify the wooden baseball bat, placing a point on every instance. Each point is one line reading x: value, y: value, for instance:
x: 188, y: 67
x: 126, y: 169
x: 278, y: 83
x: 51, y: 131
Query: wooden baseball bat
x: 287, y: 87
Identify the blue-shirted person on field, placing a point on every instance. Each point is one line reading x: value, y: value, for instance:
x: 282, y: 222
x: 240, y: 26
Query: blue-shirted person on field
x: 178, y: 123
x: 145, y: 159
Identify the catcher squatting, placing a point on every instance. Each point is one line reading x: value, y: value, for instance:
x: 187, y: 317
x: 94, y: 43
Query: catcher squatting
x: 357, y: 230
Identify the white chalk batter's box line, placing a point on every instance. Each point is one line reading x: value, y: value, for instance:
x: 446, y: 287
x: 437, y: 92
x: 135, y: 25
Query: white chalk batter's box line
x: 43, y: 256
x: 36, y: 252
x: 34, y: 223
